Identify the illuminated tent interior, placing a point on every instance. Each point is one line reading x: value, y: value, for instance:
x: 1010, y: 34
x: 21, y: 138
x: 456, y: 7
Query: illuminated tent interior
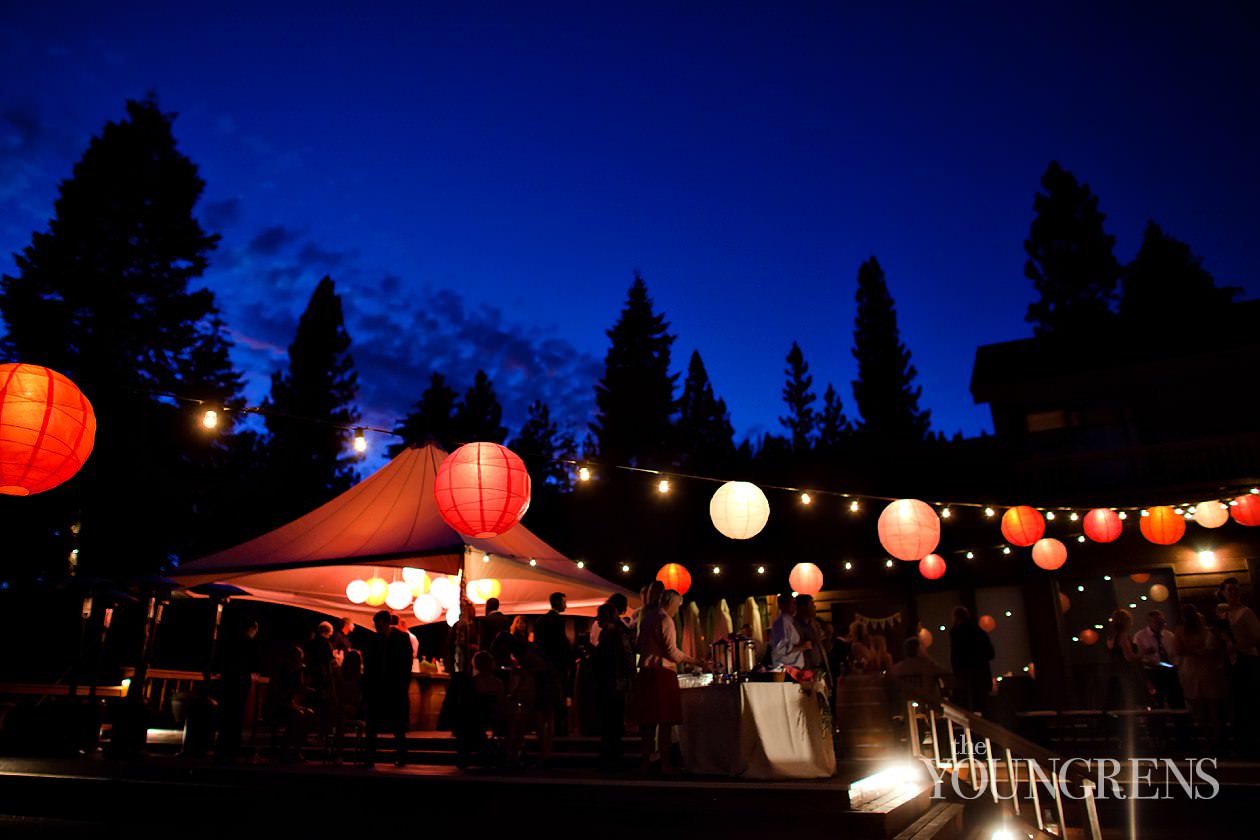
x: 381, y: 525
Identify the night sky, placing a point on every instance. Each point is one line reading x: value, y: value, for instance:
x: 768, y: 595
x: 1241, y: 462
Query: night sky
x: 483, y: 180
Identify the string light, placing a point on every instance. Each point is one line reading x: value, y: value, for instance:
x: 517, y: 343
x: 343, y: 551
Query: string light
x: 360, y: 442
x: 663, y: 486
x: 1081, y: 538
x: 533, y: 562
x: 888, y: 563
x: 1255, y: 491
x: 761, y: 570
x: 1146, y: 513
x: 1080, y: 588
x: 1123, y: 516
x: 988, y: 512
x: 1008, y: 613
x: 210, y: 419
x: 717, y: 570
x: 485, y: 558
x: 805, y: 499
x: 1107, y: 577
x: 1050, y: 515
x: 1006, y: 549
x: 854, y: 507
x: 848, y: 565
x: 946, y: 513
x: 584, y: 474
x: 581, y: 564
x: 625, y: 568
x: 1074, y: 516
x: 971, y: 555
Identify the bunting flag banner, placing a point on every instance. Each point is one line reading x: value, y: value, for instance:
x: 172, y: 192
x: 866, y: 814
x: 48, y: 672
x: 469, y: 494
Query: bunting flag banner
x: 879, y: 623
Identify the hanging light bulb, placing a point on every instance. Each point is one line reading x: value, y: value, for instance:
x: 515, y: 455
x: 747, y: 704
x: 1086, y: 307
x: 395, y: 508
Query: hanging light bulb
x: 533, y: 562
x: 971, y: 555
x: 806, y: 499
x: 848, y: 565
x: 988, y: 511
x: 584, y: 474
x: 581, y: 565
x: 1074, y: 516
x: 210, y: 419
x: 360, y: 441
x: 1006, y: 549
x: 1050, y: 515
x: 888, y: 563
x: 1122, y: 516
x: 854, y: 507
x: 625, y: 568
x: 761, y: 570
x: 717, y: 570
x: 946, y: 513
x: 663, y: 486
x: 1081, y: 538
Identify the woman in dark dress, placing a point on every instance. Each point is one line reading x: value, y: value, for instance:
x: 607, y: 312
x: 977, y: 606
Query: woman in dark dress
x: 970, y: 653
x: 614, y: 672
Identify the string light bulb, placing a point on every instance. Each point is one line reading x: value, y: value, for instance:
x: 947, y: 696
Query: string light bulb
x: 854, y: 507
x: 1074, y: 516
x: 584, y: 474
x: 1006, y: 549
x: 806, y: 499
x: 663, y: 486
x: 581, y: 564
x: 971, y: 555
x: 360, y: 441
x: 1050, y: 515
x: 210, y: 419
x: 625, y: 568
x: 946, y: 513
x: 888, y: 563
x: 717, y: 570
x: 1081, y: 538
x: 533, y: 562
x: 761, y: 570
x: 1122, y: 516
x: 988, y: 512
x: 848, y: 565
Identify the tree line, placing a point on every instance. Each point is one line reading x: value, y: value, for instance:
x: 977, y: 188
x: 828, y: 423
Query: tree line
x: 105, y: 295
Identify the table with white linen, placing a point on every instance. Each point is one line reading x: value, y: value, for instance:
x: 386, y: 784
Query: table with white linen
x: 755, y: 731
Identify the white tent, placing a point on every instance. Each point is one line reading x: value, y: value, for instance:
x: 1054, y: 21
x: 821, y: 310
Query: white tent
x: 381, y: 525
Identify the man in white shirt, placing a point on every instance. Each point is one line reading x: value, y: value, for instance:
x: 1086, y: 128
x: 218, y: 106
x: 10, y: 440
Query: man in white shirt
x: 1157, y: 651
x: 786, y: 647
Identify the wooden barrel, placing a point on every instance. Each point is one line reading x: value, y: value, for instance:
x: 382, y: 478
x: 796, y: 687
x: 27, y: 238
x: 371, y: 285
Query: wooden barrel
x: 864, y: 717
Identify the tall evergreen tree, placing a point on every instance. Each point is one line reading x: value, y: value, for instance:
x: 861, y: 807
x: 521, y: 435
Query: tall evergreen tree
x: 313, y: 461
x: 431, y: 418
x: 801, y: 420
x: 635, y: 398
x: 479, y: 416
x: 884, y: 391
x: 833, y: 426
x: 544, y: 448
x: 1166, y: 282
x: 1070, y: 258
x: 704, y: 433
x: 104, y: 296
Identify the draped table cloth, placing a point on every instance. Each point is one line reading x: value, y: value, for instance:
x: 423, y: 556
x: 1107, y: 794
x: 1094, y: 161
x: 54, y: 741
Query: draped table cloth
x: 755, y: 731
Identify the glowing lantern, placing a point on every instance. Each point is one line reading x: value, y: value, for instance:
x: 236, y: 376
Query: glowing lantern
x: 452, y: 616
x: 932, y: 566
x: 987, y: 624
x: 1049, y: 554
x: 473, y: 594
x: 1022, y: 525
x: 739, y: 510
x: 47, y: 428
x: 1102, y: 525
x: 1163, y: 526
x: 806, y: 578
x: 1089, y: 636
x: 482, y: 490
x: 357, y: 591
x: 487, y: 588
x: 1065, y: 603
x: 675, y: 577
x: 1159, y: 592
x: 427, y: 608
x: 909, y: 529
x: 1139, y: 577
x: 925, y: 638
x: 417, y: 579
x: 1211, y: 514
x: 1246, y: 511
x: 446, y: 591
x: 398, y: 595
x: 378, y: 591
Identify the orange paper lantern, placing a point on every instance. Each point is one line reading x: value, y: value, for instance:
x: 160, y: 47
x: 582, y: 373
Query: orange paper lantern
x: 675, y: 577
x: 987, y: 624
x: 806, y: 578
x: 47, y: 428
x: 1163, y: 526
x: 909, y: 529
x: 1065, y: 603
x: 1159, y: 592
x: 932, y: 566
x: 482, y: 490
x: 1247, y: 510
x: 1103, y: 525
x: 1022, y: 525
x: 1049, y: 554
x: 1089, y: 636
x: 1139, y: 577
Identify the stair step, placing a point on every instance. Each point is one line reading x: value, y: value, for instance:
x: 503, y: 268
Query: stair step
x: 943, y: 821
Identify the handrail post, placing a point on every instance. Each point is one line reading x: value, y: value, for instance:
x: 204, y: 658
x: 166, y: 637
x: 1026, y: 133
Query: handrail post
x: 1058, y: 801
x: 953, y: 747
x: 912, y: 721
x: 936, y: 747
x: 971, y: 756
x: 1010, y: 774
x: 1036, y: 797
x: 1091, y: 810
x: 992, y: 762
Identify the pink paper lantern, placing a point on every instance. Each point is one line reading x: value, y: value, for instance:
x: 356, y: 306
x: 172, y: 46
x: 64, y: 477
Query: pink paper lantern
x: 909, y: 529
x: 932, y: 566
x: 806, y: 579
x: 1103, y: 525
x: 482, y: 490
x: 1049, y: 554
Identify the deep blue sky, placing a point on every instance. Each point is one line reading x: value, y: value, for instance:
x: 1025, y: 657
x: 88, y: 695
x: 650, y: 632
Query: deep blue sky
x: 482, y: 180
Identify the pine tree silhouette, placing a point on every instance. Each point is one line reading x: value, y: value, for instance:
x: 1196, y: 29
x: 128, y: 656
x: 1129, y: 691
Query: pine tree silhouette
x: 801, y: 421
x: 431, y: 418
x: 479, y: 416
x: 704, y: 435
x: 884, y: 391
x: 310, y: 462
x: 635, y: 398
x: 833, y: 426
x: 543, y: 448
x: 103, y: 296
x: 1069, y: 258
x: 1166, y: 282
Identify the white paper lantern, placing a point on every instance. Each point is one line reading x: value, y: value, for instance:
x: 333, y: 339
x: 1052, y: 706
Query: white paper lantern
x: 452, y: 616
x: 427, y: 608
x: 417, y: 579
x: 739, y: 510
x: 446, y: 591
x: 357, y: 591
x: 398, y: 595
x: 1211, y: 514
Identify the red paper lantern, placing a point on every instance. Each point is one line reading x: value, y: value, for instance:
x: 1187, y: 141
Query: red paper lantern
x: 1139, y: 577
x: 1247, y: 511
x: 1102, y: 525
x: 482, y: 490
x: 1022, y: 525
x: 1163, y: 525
x: 909, y: 529
x: 932, y: 566
x: 1065, y: 603
x: 806, y: 579
x: 1089, y: 636
x: 1049, y: 554
x: 987, y: 624
x: 675, y: 577
x: 47, y: 428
